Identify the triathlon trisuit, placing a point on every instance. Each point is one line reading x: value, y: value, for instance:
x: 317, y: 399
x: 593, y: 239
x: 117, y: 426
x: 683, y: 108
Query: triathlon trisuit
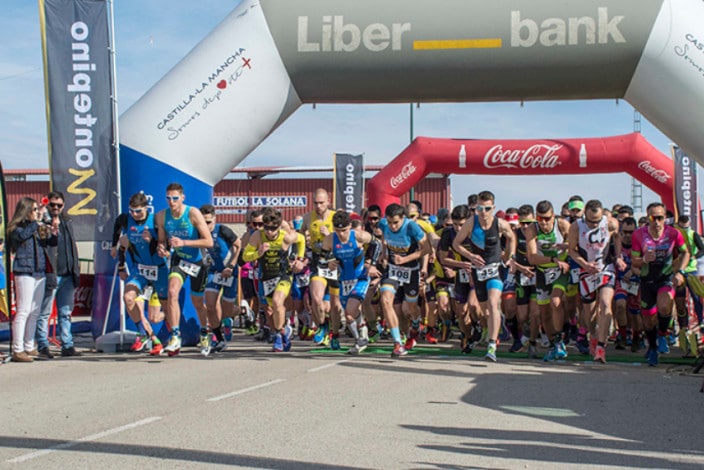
x: 148, y: 267
x: 628, y: 290
x: 274, y: 268
x: 403, y: 280
x: 354, y: 280
x: 657, y: 275
x: 549, y: 276
x: 487, y: 244
x: 594, y: 246
x: 187, y: 261
x: 223, y: 239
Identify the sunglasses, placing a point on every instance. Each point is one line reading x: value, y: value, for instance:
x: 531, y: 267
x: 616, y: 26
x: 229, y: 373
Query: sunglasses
x: 209, y: 222
x: 484, y: 208
x: 271, y: 228
x: 56, y: 205
x: 257, y: 224
x: 136, y: 211
x: 173, y: 198
x: 658, y: 218
x: 592, y: 222
x: 543, y: 218
x: 373, y: 218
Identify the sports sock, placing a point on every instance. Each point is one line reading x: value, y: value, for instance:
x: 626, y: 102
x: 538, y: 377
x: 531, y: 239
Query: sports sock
x: 353, y: 329
x: 396, y: 335
x: 140, y: 327
x: 652, y: 335
x: 218, y: 333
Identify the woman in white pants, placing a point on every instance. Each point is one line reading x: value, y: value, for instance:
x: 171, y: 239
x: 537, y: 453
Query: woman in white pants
x: 28, y: 238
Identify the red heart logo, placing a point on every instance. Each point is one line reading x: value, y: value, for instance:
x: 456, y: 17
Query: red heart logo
x: 222, y: 84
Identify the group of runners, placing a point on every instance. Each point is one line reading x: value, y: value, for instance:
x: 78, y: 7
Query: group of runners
x: 529, y: 276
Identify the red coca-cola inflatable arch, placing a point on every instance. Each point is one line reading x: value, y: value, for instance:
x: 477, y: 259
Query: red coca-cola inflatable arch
x: 629, y: 153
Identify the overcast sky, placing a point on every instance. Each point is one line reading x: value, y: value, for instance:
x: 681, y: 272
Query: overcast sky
x: 153, y: 35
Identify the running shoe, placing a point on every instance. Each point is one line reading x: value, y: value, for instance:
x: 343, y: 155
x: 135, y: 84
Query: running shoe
x: 410, y: 343
x: 252, y: 330
x: 550, y: 355
x: 303, y: 332
x: 363, y: 335
x: 560, y: 350
x: 672, y: 339
x: 204, y: 345
x: 544, y: 340
x: 399, y: 350
x: 600, y: 355
x: 620, y: 343
x: 652, y: 357
x: 517, y: 346
x: 532, y: 351
x: 157, y: 348
x: 491, y: 352
x: 663, y: 347
x: 356, y: 349
x: 321, y: 335
x: 173, y: 347
x: 278, y: 344
x: 583, y: 346
x: 262, y: 334
x: 430, y: 336
x: 335, y: 343
x: 141, y: 343
x: 270, y: 335
x: 227, y: 328
x: 593, y: 342
x: 288, y: 332
x: 220, y: 346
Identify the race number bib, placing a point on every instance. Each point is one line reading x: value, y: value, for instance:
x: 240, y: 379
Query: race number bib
x: 488, y: 272
x: 632, y: 287
x: 269, y: 285
x: 574, y: 275
x: 463, y: 276
x: 526, y: 281
x: 223, y: 281
x: 594, y: 281
x: 148, y: 272
x: 189, y: 268
x: 551, y: 275
x: 328, y: 273
x: 348, y: 287
x: 303, y: 280
x: 400, y: 274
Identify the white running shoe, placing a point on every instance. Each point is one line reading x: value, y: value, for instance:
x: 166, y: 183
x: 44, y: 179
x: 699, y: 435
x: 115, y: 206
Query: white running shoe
x: 173, y: 347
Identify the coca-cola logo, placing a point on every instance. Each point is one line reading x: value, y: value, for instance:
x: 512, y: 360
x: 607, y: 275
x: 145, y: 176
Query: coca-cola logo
x: 406, y: 171
x: 659, y: 175
x: 535, y: 156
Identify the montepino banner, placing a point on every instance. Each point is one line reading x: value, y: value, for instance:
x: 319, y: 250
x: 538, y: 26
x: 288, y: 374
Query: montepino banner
x: 349, y: 182
x: 686, y: 197
x: 78, y: 78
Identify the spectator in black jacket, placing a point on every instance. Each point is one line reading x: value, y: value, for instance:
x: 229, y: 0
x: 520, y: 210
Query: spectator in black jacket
x: 62, y: 283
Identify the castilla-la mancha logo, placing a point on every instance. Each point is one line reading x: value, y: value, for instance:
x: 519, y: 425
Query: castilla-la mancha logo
x: 406, y: 171
x: 535, y: 156
x: 659, y: 175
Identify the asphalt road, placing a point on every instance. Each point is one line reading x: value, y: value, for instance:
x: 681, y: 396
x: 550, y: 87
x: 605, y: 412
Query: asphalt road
x: 248, y: 407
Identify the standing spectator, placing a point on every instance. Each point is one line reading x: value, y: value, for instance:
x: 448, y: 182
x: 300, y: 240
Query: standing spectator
x: 62, y: 282
x: 28, y: 241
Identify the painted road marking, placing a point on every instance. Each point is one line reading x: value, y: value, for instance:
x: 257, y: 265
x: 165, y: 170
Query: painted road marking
x: 245, y: 390
x: 92, y: 437
x: 326, y: 366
